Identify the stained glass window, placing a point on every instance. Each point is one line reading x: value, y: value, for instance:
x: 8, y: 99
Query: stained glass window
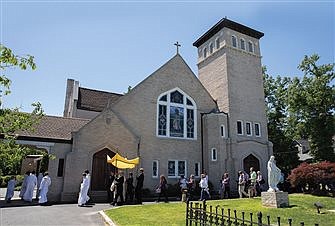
x: 176, y: 121
x: 163, y: 98
x: 177, y: 97
x: 162, y: 120
x: 190, y: 123
x: 188, y: 102
x: 181, y: 168
x: 171, y: 168
x: 176, y: 115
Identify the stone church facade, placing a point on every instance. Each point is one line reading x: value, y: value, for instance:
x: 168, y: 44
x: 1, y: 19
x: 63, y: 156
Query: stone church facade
x: 176, y: 123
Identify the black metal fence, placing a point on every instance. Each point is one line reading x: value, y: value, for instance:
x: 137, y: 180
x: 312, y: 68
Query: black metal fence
x: 199, y: 214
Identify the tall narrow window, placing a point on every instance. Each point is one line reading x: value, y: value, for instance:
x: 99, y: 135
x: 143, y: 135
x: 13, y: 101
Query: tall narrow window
x: 248, y: 128
x: 162, y: 120
x: 222, y: 131
x: 239, y: 128
x: 155, y: 169
x: 197, y: 169
x: 171, y: 168
x: 176, y: 115
x: 257, y: 130
x: 250, y: 47
x: 181, y: 168
x: 214, y: 154
x: 217, y: 43
x: 234, y: 41
x: 242, y: 44
x: 205, y: 52
x: 211, y: 48
x: 60, y: 171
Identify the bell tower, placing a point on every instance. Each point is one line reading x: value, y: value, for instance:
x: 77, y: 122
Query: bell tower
x: 229, y: 67
x: 229, y: 64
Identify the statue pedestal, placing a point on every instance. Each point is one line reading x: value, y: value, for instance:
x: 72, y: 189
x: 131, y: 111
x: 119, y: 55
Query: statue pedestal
x: 275, y: 199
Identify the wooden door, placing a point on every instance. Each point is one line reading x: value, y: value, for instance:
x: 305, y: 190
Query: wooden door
x: 101, y: 169
x: 250, y: 161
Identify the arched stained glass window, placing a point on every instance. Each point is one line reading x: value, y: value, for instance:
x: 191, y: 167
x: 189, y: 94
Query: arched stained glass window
x: 176, y: 115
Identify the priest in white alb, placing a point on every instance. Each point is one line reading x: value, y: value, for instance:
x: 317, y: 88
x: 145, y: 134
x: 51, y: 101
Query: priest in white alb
x: 31, y: 183
x: 83, y: 197
x: 43, y: 189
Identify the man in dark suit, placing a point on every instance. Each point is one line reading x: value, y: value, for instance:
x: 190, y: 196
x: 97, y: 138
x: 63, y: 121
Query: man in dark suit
x: 139, y: 186
x: 110, y: 193
x: 119, y: 188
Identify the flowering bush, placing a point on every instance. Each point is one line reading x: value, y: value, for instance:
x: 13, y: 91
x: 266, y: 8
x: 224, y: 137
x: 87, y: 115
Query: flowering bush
x: 315, y: 178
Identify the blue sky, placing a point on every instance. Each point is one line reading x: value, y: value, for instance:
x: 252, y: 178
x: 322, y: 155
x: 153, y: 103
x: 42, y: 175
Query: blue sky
x: 109, y: 45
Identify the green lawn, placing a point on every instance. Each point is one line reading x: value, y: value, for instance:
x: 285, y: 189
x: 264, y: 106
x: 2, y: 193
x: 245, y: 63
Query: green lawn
x: 301, y: 209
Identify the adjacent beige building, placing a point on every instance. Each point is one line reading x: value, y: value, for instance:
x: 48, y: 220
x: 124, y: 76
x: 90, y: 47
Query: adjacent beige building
x: 176, y: 122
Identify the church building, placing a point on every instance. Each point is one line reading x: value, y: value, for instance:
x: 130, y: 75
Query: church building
x: 177, y: 123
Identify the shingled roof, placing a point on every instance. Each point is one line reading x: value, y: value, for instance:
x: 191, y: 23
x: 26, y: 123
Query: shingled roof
x: 95, y: 100
x: 54, y: 128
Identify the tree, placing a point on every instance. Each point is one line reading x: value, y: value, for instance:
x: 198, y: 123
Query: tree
x: 311, y: 107
x: 12, y: 120
x: 275, y: 90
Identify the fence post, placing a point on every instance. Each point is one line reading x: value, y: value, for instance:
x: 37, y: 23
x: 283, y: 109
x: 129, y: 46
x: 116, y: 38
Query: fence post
x: 216, y: 215
x: 204, y: 215
x: 196, y: 214
x: 229, y: 220
x: 268, y: 220
x: 251, y: 219
x: 187, y: 204
x: 278, y: 221
x: 243, y: 218
x: 290, y: 222
x: 302, y: 223
x: 259, y: 215
x: 210, y: 215
x: 235, y: 216
x: 222, y: 215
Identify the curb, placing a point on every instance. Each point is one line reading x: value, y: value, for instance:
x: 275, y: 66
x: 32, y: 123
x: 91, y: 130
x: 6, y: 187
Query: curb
x: 106, y: 218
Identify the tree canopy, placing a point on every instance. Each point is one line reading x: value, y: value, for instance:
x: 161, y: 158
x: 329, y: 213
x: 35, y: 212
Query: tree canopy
x: 13, y: 121
x: 302, y: 108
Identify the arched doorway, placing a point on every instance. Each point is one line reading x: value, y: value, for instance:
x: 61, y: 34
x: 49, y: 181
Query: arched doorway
x: 101, y: 169
x: 250, y: 161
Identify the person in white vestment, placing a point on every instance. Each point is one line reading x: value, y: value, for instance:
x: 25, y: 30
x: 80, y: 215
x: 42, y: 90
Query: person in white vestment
x: 31, y: 183
x: 10, y: 189
x: 274, y: 175
x: 43, y: 189
x: 39, y: 179
x: 24, y: 185
x: 83, y: 197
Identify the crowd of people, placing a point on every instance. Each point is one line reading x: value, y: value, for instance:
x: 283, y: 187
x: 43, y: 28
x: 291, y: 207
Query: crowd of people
x: 30, y: 181
x: 121, y: 190
x: 118, y: 187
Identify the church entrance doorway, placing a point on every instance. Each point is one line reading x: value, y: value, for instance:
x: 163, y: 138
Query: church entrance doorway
x: 101, y: 170
x: 250, y: 161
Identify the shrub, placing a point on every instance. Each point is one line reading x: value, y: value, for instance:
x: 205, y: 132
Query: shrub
x: 315, y: 178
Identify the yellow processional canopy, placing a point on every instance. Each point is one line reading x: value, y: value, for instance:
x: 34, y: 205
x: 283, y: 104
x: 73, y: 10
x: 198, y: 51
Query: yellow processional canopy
x: 122, y: 163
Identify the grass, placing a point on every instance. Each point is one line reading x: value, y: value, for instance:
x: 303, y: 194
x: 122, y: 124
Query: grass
x: 301, y: 210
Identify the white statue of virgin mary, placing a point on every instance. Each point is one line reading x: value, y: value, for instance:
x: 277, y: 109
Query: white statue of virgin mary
x: 274, y: 175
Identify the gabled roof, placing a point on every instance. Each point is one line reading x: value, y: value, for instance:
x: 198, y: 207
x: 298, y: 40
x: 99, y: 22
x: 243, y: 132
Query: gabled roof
x: 54, y: 128
x: 95, y: 100
x: 229, y: 24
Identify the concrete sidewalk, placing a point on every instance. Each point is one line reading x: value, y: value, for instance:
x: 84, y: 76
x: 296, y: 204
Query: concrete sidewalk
x: 61, y: 214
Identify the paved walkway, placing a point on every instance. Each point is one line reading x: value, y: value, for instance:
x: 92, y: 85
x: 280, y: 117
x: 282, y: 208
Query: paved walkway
x: 62, y: 214
x: 20, y: 213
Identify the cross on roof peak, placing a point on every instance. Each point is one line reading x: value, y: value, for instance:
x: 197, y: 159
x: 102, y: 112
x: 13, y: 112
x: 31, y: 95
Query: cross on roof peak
x: 177, y: 45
